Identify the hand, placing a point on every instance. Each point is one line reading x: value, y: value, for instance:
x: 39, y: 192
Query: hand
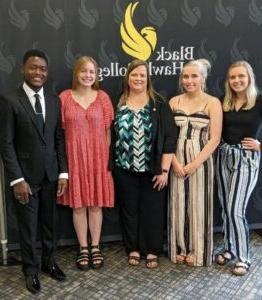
x: 22, y: 191
x: 160, y: 181
x: 189, y: 169
x: 250, y: 144
x: 61, y: 186
x: 178, y: 170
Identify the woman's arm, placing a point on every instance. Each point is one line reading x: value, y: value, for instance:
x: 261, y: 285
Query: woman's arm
x: 173, y: 103
x: 170, y: 133
x: 251, y: 144
x: 216, y: 115
x: 108, y: 112
x: 160, y: 181
x: 108, y: 136
x: 178, y: 168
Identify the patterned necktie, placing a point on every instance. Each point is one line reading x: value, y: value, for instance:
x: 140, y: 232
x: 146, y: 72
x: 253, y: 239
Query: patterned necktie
x: 39, y: 112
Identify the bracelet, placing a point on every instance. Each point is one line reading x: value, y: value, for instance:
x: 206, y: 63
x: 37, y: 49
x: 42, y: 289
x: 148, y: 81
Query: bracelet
x: 164, y: 171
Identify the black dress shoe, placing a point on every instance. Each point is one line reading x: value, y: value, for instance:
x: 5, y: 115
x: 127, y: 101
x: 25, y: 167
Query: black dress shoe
x: 32, y: 283
x: 54, y: 272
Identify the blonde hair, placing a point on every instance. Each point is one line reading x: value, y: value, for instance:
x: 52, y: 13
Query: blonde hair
x: 251, y: 92
x: 204, y: 68
x: 126, y: 90
x: 80, y: 62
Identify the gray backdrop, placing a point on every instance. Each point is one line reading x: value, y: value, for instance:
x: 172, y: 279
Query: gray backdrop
x: 219, y: 30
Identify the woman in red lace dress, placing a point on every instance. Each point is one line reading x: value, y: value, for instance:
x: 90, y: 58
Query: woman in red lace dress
x: 87, y: 114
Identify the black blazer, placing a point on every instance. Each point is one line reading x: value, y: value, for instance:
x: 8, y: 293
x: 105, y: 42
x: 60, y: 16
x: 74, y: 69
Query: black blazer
x: 164, y: 135
x: 25, y: 150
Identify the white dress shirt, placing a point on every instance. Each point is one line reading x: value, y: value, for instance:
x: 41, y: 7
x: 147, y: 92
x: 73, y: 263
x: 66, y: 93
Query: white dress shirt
x: 30, y: 94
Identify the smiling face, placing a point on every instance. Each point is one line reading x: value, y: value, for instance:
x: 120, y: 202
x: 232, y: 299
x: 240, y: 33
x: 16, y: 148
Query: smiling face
x: 238, y: 79
x: 191, y: 79
x: 86, y: 75
x: 137, y: 80
x: 35, y: 72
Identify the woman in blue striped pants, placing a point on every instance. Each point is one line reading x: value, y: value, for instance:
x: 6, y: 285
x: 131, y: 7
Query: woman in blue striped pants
x: 238, y: 162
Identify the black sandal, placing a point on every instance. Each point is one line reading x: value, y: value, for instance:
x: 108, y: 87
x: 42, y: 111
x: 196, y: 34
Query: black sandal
x: 153, y: 260
x: 223, y: 258
x: 83, y: 261
x: 240, y: 269
x: 133, y: 260
x: 97, y: 259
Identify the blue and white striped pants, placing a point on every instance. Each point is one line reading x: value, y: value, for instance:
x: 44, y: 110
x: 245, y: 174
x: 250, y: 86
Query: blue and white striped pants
x: 237, y: 173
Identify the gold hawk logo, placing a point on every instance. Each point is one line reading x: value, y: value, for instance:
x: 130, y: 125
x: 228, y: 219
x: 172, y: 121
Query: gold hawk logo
x: 137, y: 44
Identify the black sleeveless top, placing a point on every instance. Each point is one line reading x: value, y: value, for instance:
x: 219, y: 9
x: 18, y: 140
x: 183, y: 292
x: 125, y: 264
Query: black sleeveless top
x: 242, y: 123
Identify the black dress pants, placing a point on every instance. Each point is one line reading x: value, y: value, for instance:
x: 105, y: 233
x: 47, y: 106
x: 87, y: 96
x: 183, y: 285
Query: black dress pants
x: 40, y: 210
x: 142, y: 211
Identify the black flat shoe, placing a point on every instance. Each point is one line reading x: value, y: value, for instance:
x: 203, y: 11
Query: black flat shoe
x: 54, y: 272
x: 32, y: 284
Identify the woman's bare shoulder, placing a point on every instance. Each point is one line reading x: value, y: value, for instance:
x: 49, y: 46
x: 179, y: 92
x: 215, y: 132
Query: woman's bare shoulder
x: 213, y: 101
x: 174, y: 101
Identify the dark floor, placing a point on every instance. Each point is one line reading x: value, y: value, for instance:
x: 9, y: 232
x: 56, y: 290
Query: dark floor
x: 117, y: 280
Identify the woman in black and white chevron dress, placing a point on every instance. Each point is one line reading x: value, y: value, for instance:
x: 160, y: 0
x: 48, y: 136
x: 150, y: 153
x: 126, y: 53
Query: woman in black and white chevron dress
x: 145, y: 143
x: 199, y: 117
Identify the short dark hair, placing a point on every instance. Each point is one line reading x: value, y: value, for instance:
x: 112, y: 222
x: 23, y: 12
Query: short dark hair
x: 34, y: 52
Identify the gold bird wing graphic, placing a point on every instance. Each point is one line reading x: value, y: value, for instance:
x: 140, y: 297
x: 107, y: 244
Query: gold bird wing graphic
x: 137, y: 44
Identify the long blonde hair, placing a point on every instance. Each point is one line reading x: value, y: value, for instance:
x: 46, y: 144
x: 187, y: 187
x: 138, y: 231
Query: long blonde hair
x: 204, y: 68
x: 126, y: 90
x: 80, y: 62
x: 251, y: 92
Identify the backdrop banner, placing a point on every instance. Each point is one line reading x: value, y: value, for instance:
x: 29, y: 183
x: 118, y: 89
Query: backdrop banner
x: 165, y: 33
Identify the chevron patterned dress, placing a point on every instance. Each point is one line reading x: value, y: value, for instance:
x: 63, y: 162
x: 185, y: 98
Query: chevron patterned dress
x: 134, y: 139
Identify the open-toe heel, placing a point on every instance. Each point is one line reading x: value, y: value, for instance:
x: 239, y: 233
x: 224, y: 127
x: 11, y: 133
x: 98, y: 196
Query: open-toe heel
x: 190, y: 260
x: 180, y: 259
x: 134, y: 260
x: 82, y: 261
x: 152, y: 262
x: 97, y: 259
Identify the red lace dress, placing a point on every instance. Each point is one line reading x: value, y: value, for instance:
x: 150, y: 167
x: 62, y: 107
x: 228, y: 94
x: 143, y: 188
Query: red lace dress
x: 90, y: 181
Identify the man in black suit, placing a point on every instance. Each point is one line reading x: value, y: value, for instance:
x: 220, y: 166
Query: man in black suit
x: 33, y: 151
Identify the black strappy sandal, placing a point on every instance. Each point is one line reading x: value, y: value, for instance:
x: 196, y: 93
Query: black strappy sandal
x: 240, y: 269
x: 223, y: 258
x: 133, y: 260
x: 97, y: 259
x: 83, y: 261
x: 152, y: 263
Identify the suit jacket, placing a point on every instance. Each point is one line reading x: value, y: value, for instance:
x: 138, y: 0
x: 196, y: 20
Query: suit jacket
x: 26, y: 151
x: 165, y: 133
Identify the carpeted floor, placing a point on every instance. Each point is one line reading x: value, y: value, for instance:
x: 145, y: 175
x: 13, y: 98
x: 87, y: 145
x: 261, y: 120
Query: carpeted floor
x: 117, y: 280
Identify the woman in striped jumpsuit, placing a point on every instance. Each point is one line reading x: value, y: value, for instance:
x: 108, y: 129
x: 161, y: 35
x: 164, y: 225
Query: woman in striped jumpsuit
x: 199, y: 118
x: 238, y: 162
